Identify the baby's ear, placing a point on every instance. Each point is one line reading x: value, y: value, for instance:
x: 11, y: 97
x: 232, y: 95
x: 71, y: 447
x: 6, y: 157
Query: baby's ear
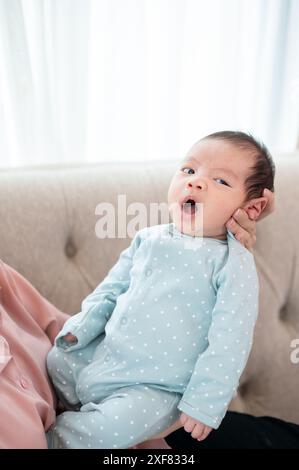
x: 255, y: 207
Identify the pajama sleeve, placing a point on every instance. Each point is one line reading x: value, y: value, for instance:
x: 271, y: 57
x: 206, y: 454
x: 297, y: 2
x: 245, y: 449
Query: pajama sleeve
x: 97, y: 308
x: 215, y: 377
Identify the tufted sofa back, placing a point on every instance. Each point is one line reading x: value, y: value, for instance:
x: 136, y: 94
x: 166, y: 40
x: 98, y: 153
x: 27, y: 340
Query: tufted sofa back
x: 47, y: 233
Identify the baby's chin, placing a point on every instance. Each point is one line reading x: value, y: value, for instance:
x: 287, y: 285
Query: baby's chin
x: 193, y: 231
x: 188, y: 224
x: 187, y: 229
x: 196, y: 224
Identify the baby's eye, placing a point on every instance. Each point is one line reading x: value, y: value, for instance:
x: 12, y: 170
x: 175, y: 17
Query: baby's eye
x: 188, y: 170
x: 222, y: 181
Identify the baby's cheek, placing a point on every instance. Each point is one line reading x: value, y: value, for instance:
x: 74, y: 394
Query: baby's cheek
x: 217, y: 217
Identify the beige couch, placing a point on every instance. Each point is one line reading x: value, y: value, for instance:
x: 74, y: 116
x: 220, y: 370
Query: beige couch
x: 47, y: 232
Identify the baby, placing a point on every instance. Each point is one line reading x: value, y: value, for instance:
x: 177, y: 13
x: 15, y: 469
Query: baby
x: 166, y: 335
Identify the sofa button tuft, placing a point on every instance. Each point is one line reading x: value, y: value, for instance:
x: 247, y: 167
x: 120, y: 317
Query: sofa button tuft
x: 70, y: 248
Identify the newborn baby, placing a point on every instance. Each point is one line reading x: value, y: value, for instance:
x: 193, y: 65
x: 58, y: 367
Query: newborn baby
x: 167, y: 333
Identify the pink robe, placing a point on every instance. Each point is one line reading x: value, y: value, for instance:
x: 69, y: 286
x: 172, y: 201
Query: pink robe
x: 28, y: 326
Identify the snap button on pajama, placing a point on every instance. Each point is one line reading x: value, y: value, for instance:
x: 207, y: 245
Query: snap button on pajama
x: 173, y: 318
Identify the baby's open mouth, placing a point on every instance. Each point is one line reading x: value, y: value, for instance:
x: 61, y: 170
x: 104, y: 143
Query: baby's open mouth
x: 189, y: 206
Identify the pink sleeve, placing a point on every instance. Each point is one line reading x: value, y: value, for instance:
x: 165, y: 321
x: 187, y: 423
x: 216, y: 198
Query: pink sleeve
x: 48, y: 317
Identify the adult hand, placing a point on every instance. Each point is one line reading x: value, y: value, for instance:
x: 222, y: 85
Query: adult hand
x: 243, y: 228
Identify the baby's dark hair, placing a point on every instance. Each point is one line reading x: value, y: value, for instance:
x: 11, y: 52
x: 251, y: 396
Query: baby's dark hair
x: 262, y: 172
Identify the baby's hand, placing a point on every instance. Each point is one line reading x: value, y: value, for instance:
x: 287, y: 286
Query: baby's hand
x: 198, y: 430
x: 69, y: 338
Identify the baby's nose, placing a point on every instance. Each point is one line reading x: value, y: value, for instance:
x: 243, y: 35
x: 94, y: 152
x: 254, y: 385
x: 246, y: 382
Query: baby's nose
x: 199, y: 183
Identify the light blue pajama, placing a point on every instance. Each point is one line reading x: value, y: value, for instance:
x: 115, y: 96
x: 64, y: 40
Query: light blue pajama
x: 184, y: 311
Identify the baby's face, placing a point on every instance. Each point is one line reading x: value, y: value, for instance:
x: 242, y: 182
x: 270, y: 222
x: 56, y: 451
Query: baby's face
x: 213, y: 174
